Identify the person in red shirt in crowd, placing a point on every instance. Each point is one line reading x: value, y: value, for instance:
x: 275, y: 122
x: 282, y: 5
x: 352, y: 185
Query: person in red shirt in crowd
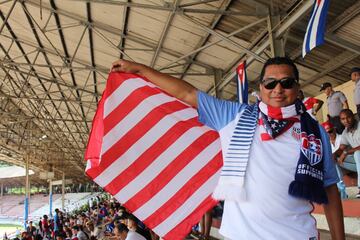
x: 312, y: 104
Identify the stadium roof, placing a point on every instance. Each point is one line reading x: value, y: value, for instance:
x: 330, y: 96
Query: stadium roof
x: 55, y: 56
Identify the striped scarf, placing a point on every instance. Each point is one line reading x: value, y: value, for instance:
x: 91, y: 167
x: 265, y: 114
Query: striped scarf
x: 308, y: 180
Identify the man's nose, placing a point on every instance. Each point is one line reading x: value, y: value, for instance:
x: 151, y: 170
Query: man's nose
x: 278, y: 88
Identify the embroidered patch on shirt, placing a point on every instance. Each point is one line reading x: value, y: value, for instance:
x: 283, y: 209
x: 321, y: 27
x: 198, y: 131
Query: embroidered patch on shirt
x: 296, y: 133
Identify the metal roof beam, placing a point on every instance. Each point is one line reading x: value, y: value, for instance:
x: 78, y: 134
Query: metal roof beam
x: 212, y: 43
x: 278, y: 31
x: 207, y: 36
x: 62, y: 38
x: 170, y: 7
x: 105, y: 27
x: 124, y: 30
x: 91, y: 41
x: 164, y: 33
x: 29, y: 18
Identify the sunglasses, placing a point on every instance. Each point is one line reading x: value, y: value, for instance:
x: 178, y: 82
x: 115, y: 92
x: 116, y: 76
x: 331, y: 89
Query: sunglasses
x: 286, y: 83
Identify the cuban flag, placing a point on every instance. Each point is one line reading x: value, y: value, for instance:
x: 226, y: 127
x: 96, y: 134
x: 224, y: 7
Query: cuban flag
x: 148, y: 150
x: 315, y: 31
x: 242, y: 83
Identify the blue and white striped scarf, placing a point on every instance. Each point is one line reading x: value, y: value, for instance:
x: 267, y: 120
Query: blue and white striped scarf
x: 307, y: 184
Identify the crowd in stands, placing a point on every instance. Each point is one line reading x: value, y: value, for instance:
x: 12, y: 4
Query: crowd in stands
x: 101, y: 219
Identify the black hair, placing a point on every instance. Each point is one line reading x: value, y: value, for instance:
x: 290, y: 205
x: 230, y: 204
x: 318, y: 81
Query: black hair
x: 76, y: 228
x: 280, y: 61
x: 122, y: 227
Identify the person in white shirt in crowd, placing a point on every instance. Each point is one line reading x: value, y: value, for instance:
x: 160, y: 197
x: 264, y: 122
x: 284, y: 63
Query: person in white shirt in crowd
x: 336, y: 101
x: 350, y: 141
x: 313, y: 105
x: 355, y: 77
x: 95, y: 231
x: 335, y: 140
x: 78, y: 233
x: 123, y: 233
x: 277, y: 158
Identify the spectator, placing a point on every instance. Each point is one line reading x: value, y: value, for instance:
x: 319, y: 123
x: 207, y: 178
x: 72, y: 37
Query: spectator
x: 312, y: 104
x: 355, y: 77
x: 78, y: 233
x: 350, y: 141
x: 31, y: 229
x: 132, y: 224
x: 335, y: 140
x: 45, y: 226
x: 56, y: 221
x: 95, y: 231
x: 123, y: 233
x: 205, y: 225
x: 336, y: 101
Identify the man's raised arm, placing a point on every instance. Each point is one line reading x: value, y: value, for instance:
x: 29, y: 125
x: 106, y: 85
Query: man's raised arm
x: 174, y: 86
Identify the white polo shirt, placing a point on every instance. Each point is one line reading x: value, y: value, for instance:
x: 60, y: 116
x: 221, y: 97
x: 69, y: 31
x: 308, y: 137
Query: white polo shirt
x: 269, y: 212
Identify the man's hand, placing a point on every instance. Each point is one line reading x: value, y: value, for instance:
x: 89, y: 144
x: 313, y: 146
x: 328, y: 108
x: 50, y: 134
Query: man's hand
x: 342, y: 158
x: 126, y: 66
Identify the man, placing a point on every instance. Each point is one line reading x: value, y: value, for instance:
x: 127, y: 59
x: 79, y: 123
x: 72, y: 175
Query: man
x: 312, y: 104
x: 123, y: 233
x: 132, y: 225
x: 355, y: 77
x: 95, y: 231
x: 56, y: 221
x: 31, y: 229
x: 80, y: 235
x: 350, y: 141
x: 261, y: 206
x: 335, y: 140
x: 336, y: 101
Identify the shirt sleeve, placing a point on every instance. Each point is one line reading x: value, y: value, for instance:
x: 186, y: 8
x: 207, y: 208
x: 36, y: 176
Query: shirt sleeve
x: 330, y: 174
x: 216, y: 113
x: 342, y: 97
x: 344, y: 139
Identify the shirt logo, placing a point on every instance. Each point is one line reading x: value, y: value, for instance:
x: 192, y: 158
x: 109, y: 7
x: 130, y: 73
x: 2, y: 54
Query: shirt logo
x: 296, y: 133
x: 311, y: 147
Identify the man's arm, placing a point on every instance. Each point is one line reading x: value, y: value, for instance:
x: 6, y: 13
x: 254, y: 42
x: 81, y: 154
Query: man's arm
x: 174, y: 86
x: 340, y: 155
x: 317, y: 106
x: 334, y: 213
x: 345, y: 105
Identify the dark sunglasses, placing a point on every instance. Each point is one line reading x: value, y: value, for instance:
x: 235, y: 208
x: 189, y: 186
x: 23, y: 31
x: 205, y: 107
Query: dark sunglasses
x: 286, y: 83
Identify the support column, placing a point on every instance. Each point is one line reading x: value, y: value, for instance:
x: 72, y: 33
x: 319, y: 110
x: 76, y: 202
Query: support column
x: 63, y: 192
x: 26, y: 202
x: 1, y: 197
x: 50, y: 198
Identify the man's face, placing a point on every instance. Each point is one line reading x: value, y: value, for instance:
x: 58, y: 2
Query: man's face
x: 328, y: 91
x: 355, y: 76
x: 346, y: 119
x: 279, y: 97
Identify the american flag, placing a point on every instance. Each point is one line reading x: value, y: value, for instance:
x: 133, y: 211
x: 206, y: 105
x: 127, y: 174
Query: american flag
x: 149, y: 151
x: 315, y: 31
x: 242, y: 83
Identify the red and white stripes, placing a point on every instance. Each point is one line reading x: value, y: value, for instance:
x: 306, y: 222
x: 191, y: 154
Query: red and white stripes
x: 155, y: 157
